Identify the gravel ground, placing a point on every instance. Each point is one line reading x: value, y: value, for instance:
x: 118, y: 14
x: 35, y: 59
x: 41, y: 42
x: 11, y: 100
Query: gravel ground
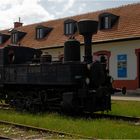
x: 20, y: 134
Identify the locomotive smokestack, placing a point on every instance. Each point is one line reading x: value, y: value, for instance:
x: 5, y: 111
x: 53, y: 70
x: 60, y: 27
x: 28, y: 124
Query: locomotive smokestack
x: 87, y: 28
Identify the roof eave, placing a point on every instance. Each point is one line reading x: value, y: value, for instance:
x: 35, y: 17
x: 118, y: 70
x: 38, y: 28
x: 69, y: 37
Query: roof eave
x: 95, y: 42
x: 116, y: 40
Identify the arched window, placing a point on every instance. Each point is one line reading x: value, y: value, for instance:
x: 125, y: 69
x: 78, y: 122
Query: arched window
x: 99, y: 54
x: 60, y: 57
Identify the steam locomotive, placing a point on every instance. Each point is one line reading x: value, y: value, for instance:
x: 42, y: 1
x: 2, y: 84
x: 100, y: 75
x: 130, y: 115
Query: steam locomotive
x: 32, y: 81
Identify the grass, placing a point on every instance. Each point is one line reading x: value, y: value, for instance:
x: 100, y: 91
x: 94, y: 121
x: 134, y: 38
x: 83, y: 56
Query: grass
x: 129, y: 108
x: 2, y: 101
x: 100, y: 128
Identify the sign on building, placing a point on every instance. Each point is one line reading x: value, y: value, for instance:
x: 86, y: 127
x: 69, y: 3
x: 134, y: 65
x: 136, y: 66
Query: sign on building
x: 122, y: 65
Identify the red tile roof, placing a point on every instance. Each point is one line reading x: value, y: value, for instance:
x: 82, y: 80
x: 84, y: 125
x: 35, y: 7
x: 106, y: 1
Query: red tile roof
x: 128, y: 26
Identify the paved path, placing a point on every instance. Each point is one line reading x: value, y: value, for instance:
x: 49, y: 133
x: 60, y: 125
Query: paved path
x: 126, y: 98
x: 131, y: 95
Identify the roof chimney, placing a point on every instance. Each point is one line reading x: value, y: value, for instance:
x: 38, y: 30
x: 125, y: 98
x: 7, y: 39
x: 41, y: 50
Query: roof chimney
x: 17, y: 24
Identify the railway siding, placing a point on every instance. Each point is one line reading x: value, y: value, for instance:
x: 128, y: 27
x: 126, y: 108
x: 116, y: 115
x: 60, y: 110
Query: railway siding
x: 43, y: 130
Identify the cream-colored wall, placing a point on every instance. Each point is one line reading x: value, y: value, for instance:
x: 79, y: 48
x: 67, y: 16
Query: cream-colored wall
x: 54, y: 52
x: 123, y: 47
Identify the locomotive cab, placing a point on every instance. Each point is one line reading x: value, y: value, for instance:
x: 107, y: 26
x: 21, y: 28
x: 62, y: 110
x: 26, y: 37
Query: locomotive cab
x: 18, y: 54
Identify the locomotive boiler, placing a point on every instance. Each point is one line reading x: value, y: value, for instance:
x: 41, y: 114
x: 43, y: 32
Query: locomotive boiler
x: 32, y: 81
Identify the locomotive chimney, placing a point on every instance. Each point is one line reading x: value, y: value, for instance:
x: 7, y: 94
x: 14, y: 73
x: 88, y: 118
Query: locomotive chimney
x: 87, y: 28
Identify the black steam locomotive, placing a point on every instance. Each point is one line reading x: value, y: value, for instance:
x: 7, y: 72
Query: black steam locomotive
x: 31, y: 81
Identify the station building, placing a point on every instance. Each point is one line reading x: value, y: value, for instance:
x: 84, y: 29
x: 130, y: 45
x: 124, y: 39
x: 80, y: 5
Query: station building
x: 118, y: 39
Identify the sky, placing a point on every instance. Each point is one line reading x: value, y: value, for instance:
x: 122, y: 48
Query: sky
x: 34, y: 11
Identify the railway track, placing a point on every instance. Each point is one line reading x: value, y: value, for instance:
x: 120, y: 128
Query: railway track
x: 116, y: 117
x: 27, y: 127
x: 4, y: 138
x: 5, y: 106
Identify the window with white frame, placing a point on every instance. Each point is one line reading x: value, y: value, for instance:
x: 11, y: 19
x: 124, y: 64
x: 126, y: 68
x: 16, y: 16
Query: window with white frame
x: 39, y: 33
x: 42, y: 31
x: 70, y: 27
x: 107, y: 20
x: 14, y: 38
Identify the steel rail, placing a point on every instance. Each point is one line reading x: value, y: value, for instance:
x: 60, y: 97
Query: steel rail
x: 5, y: 138
x: 27, y: 127
x: 116, y: 117
x: 4, y: 105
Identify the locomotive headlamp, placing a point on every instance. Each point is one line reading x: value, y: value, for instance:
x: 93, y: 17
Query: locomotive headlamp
x: 88, y: 66
x: 87, y: 80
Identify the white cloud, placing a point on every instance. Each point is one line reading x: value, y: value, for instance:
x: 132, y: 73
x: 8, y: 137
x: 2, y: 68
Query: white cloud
x: 32, y: 11
x: 29, y: 11
x: 66, y: 8
x: 68, y: 5
x: 56, y: 1
x: 82, y: 8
